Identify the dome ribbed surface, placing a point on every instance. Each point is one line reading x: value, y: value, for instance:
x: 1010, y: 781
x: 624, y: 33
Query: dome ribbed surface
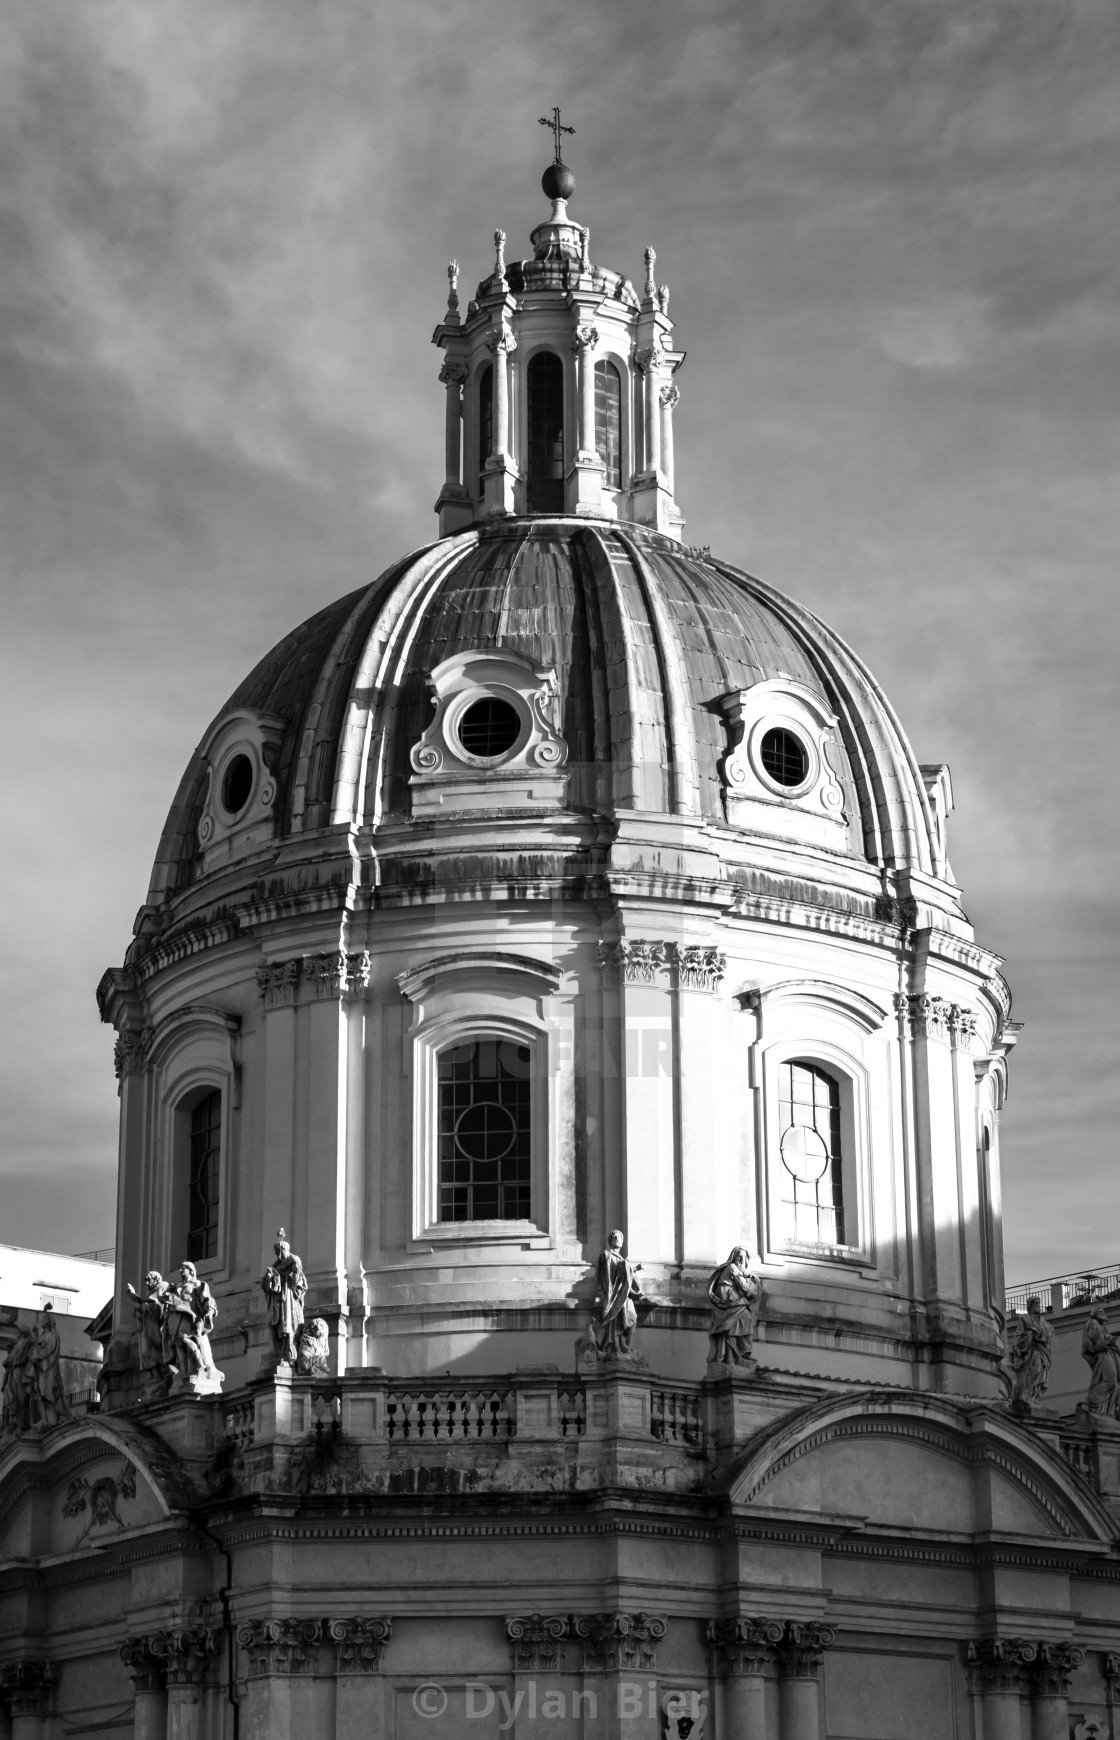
x: 645, y: 637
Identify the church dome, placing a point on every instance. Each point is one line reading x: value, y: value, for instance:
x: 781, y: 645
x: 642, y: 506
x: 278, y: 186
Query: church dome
x: 646, y: 642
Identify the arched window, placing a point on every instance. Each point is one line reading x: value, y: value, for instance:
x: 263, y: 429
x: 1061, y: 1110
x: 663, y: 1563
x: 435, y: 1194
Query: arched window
x: 812, y: 1187
x: 608, y: 422
x: 485, y: 422
x: 203, y: 1175
x: 485, y: 1131
x: 546, y: 434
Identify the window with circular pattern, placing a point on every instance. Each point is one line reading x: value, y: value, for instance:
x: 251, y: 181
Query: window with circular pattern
x: 784, y: 757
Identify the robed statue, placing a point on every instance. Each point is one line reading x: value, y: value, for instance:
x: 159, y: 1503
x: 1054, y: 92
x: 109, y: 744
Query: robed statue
x: 150, y: 1309
x: 612, y: 1326
x: 1029, y: 1355
x: 189, y: 1314
x: 284, y: 1285
x: 734, y: 1295
x: 1102, y: 1350
x: 34, y: 1396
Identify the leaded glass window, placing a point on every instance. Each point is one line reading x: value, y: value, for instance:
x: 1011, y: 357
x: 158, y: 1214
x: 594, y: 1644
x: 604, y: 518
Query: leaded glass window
x: 608, y: 422
x: 546, y: 434
x: 812, y: 1168
x: 202, y: 1193
x: 484, y: 1131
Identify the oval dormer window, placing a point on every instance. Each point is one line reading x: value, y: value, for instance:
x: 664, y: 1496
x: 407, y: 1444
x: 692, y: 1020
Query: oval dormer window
x: 237, y: 785
x: 784, y: 757
x: 489, y: 728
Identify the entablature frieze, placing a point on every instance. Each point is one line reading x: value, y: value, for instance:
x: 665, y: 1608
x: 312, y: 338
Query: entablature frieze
x: 321, y: 977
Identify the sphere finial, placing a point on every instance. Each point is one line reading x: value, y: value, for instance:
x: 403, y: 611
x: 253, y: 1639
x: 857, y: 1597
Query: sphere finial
x: 558, y: 181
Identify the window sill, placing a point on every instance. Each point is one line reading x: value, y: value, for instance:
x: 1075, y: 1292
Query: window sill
x: 481, y: 1232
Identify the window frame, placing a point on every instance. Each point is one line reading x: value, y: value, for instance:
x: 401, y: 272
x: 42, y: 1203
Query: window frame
x: 195, y: 1051
x: 608, y: 363
x: 430, y: 1040
x: 853, y: 1081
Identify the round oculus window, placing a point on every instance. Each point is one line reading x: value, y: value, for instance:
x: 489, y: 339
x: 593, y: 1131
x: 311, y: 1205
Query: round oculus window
x: 784, y: 756
x: 485, y: 1131
x: 489, y: 728
x: 804, y: 1154
x: 237, y: 785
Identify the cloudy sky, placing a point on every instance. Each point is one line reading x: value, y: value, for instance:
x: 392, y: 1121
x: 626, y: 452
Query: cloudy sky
x: 890, y: 232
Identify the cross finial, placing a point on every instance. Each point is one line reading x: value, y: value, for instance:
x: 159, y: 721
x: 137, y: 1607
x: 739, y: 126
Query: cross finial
x: 557, y: 129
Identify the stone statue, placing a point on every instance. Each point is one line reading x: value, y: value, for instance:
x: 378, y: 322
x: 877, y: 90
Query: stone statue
x: 150, y: 1311
x: 1102, y: 1350
x: 734, y: 1295
x: 314, y: 1349
x: 1029, y: 1355
x: 34, y: 1397
x: 612, y: 1327
x: 284, y: 1285
x: 16, y: 1414
x: 189, y: 1315
x: 45, y: 1372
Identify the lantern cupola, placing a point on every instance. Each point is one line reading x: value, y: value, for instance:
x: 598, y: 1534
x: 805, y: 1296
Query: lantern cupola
x: 560, y: 384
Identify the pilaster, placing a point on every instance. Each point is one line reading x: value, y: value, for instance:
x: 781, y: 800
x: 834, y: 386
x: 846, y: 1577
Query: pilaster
x: 360, y: 1643
x: 618, y: 1656
x: 26, y: 1687
x: 187, y: 1657
x: 998, y: 1672
x: 800, y: 1655
x: 149, y: 1720
x: 744, y: 1656
x: 281, y: 1659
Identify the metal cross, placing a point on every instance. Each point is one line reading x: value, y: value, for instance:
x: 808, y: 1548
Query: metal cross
x: 557, y: 129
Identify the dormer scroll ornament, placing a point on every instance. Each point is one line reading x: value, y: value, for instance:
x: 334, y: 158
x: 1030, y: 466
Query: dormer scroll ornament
x: 447, y: 771
x: 808, y: 808
x: 584, y: 338
x: 631, y: 961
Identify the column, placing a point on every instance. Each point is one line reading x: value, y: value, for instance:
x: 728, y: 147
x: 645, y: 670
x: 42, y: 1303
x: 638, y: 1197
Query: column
x: 359, y: 1704
x: 186, y: 1656
x: 670, y: 397
x: 800, y: 1654
x: 1053, y: 1671
x: 647, y: 361
x: 453, y: 374
x: 280, y: 1686
x: 634, y: 969
x: 27, y: 1687
x: 149, y: 1720
x: 498, y: 470
x: 585, y: 482
x: 997, y: 1676
x: 744, y: 1650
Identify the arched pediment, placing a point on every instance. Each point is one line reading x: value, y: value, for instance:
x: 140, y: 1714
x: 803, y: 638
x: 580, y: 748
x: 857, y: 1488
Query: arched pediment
x: 893, y: 1460
x: 82, y: 1484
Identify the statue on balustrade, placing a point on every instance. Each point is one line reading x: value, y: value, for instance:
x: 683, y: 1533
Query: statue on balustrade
x: 611, y: 1331
x: 33, y: 1394
x: 189, y: 1315
x: 150, y: 1310
x: 314, y: 1349
x: 734, y: 1295
x: 1102, y: 1350
x: 1028, y: 1355
x: 284, y: 1285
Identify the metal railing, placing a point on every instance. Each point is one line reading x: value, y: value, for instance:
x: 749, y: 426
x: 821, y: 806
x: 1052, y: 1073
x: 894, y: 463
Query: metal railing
x: 1060, y: 1292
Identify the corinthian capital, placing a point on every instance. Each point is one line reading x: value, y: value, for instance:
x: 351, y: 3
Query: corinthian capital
x: 670, y: 395
x: 501, y: 341
x: 453, y: 373
x: 585, y: 337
